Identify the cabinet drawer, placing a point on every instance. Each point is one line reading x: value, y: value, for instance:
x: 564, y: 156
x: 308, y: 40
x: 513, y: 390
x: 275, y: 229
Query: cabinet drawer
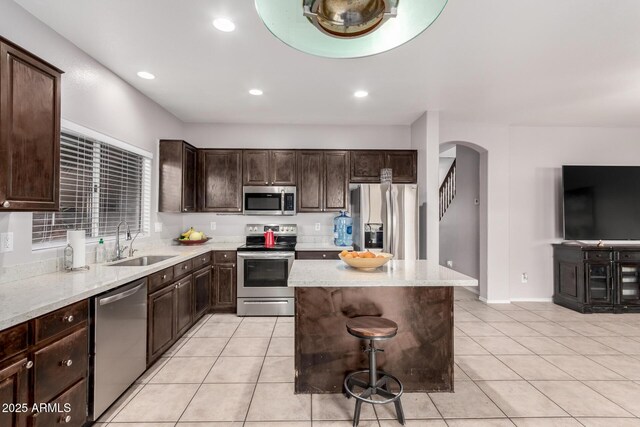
x: 628, y: 256
x: 601, y: 255
x: 74, y: 401
x: 224, y: 257
x: 59, y: 365
x: 201, y: 260
x: 182, y: 268
x: 159, y: 279
x: 13, y: 341
x: 317, y: 255
x: 60, y: 320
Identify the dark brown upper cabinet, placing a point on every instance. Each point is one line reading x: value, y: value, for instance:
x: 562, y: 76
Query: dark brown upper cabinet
x: 29, y: 131
x: 220, y: 180
x: 178, y: 169
x: 269, y: 167
x: 366, y: 165
x: 323, y: 180
x: 404, y: 164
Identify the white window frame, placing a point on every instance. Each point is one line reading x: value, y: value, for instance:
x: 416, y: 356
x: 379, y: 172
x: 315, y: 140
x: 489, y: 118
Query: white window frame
x: 75, y: 128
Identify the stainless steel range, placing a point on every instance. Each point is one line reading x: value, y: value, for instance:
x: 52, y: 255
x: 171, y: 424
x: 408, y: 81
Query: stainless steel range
x: 263, y: 271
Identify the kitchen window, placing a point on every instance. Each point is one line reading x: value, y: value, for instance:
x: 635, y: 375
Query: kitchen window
x: 102, y: 182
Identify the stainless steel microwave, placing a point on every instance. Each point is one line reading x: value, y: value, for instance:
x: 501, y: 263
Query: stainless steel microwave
x: 269, y: 200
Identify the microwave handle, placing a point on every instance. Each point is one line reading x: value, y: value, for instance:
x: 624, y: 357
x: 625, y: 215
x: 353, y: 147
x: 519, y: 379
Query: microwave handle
x: 282, y: 201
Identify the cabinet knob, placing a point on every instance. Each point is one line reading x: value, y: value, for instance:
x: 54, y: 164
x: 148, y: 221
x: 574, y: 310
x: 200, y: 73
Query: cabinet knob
x: 225, y: 255
x: 29, y: 364
x: 6, y: 204
x: 164, y: 276
x: 184, y: 210
x: 266, y: 183
x: 68, y: 319
x: 185, y: 267
x: 177, y: 284
x: 66, y: 419
x: 67, y: 363
x: 233, y: 265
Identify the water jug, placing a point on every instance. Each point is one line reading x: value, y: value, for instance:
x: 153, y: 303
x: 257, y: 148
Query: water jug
x: 343, y: 230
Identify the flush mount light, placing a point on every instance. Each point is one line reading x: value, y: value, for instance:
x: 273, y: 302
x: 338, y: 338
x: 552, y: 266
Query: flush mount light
x: 146, y: 75
x: 361, y: 94
x: 347, y: 28
x: 255, y: 92
x: 224, y: 24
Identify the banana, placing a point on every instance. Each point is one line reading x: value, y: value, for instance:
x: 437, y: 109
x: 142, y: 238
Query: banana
x: 187, y: 233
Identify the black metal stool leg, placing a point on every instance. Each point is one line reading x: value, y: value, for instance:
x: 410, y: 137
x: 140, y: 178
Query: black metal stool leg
x: 356, y: 413
x: 399, y: 411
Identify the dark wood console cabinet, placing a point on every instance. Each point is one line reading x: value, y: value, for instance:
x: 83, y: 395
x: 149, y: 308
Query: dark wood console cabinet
x: 592, y: 279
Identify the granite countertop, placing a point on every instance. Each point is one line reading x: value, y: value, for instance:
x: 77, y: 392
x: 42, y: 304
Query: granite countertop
x: 322, y: 273
x: 321, y: 247
x: 23, y: 300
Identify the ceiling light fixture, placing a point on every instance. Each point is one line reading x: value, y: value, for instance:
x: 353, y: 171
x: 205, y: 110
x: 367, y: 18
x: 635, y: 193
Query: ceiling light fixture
x: 361, y: 94
x: 146, y: 75
x: 348, y: 28
x: 224, y: 24
x: 255, y: 92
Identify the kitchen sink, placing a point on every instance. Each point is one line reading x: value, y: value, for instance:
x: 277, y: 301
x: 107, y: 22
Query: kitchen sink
x: 141, y: 261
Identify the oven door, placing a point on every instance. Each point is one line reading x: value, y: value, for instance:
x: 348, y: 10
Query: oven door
x: 264, y: 274
x: 269, y: 200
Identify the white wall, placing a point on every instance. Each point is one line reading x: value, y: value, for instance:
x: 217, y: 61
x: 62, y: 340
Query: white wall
x: 92, y: 96
x: 492, y: 142
x: 536, y: 157
x: 460, y: 225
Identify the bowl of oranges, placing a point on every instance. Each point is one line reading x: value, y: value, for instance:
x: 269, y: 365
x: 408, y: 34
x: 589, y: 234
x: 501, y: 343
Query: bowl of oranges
x: 365, y: 259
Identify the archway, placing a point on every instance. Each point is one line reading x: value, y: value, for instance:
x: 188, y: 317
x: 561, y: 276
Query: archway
x: 482, y: 215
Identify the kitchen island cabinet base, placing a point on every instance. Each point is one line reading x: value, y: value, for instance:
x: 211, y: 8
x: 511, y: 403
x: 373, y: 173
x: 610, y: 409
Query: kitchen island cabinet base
x: 420, y: 355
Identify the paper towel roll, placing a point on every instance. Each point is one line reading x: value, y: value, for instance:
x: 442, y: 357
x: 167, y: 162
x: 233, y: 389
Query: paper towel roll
x: 76, y: 239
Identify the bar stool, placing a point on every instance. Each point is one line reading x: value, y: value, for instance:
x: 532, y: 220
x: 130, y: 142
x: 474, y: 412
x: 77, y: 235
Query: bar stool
x: 373, y: 329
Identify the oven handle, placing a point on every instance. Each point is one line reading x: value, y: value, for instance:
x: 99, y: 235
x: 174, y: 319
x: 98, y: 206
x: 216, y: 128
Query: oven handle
x: 273, y: 255
x: 265, y: 302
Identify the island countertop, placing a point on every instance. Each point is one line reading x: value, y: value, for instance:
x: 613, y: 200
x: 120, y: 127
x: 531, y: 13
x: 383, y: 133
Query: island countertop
x: 396, y: 273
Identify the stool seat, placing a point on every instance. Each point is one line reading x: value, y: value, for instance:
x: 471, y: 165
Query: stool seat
x: 370, y: 327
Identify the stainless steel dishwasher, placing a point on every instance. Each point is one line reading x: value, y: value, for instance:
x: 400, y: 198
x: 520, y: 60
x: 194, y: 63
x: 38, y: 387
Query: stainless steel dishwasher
x: 118, y: 344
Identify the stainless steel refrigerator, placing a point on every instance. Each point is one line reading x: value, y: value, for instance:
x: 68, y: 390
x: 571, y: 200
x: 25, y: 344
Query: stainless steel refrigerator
x: 385, y: 218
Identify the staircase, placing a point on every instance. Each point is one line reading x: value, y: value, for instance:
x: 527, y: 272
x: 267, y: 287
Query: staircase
x: 448, y: 189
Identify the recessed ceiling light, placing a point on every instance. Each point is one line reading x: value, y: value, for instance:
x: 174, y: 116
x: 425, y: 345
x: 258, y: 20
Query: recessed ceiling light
x: 255, y: 92
x: 146, y: 75
x: 361, y: 94
x: 224, y: 24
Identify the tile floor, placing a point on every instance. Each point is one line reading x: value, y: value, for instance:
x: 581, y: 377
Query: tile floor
x: 523, y: 364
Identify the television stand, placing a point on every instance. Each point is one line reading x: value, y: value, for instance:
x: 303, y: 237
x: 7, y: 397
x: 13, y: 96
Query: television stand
x: 597, y: 278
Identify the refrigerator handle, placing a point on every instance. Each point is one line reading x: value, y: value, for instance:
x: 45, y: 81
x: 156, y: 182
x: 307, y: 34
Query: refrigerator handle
x: 388, y: 227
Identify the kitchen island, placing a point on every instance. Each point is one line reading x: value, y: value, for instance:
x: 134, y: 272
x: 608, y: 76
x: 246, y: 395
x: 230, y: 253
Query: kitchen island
x: 417, y: 295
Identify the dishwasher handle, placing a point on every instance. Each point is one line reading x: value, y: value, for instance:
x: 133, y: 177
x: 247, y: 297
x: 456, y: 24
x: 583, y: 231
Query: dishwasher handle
x: 122, y: 295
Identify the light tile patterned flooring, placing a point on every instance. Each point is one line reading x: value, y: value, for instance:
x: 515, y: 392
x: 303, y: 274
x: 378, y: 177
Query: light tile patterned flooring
x: 524, y: 364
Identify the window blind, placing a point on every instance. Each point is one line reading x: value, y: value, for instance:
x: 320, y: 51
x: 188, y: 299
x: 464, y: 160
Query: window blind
x: 100, y: 185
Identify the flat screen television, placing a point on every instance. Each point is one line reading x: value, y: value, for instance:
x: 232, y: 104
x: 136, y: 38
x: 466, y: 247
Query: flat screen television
x: 601, y: 202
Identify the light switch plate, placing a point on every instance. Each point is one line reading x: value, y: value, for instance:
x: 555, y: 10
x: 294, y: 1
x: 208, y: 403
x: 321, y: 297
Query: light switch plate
x: 6, y: 242
x: 157, y: 227
x: 450, y: 264
x: 213, y: 226
x: 317, y: 228
x: 524, y: 278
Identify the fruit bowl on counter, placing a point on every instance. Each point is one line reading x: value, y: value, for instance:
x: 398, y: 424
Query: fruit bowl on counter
x: 192, y: 237
x: 365, y: 260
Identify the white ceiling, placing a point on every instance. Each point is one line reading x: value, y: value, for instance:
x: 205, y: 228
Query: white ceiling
x: 536, y: 62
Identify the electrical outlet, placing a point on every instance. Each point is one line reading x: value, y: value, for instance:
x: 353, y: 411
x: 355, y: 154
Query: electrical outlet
x: 157, y: 226
x: 524, y: 278
x: 6, y: 242
x: 317, y: 228
x: 450, y: 264
x: 212, y: 225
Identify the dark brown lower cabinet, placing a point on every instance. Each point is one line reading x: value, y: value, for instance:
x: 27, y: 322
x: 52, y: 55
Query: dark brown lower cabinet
x: 73, y: 404
x: 592, y: 279
x: 184, y: 305
x: 161, y: 322
x: 202, y: 291
x: 14, y: 390
x: 224, y: 282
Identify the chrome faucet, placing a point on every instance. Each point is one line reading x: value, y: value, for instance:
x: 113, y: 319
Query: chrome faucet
x: 120, y: 249
x: 131, y: 250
